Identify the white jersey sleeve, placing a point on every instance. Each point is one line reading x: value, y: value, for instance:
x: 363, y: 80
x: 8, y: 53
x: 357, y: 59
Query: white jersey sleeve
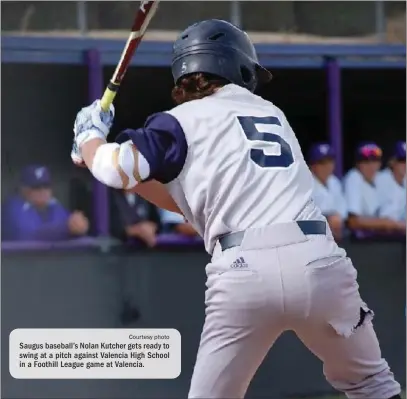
x: 323, y: 198
x: 336, y: 190
x: 162, y: 144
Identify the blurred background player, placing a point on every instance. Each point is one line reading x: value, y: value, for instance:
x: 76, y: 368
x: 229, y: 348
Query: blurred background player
x: 362, y: 194
x: 328, y: 194
x: 391, y: 184
x: 33, y: 213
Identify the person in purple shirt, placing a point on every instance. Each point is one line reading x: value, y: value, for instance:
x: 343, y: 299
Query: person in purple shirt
x: 33, y: 214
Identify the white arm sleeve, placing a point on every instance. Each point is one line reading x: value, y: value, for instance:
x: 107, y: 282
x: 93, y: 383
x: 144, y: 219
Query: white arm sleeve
x: 115, y: 166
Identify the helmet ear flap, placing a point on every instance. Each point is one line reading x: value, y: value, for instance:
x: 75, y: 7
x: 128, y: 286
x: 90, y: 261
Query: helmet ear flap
x: 246, y: 74
x: 248, y: 77
x: 263, y: 75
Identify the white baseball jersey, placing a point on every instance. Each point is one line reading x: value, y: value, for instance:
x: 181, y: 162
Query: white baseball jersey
x: 362, y: 197
x: 329, y: 197
x: 392, y: 196
x: 231, y: 162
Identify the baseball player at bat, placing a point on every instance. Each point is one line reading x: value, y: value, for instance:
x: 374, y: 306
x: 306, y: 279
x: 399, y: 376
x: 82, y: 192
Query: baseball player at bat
x: 231, y: 164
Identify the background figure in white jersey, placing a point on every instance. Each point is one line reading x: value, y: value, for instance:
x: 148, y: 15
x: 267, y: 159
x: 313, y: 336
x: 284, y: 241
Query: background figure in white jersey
x: 391, y: 184
x: 362, y: 194
x: 233, y: 166
x: 328, y: 193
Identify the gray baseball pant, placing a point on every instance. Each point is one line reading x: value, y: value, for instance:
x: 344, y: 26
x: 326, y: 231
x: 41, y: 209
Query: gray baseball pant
x: 285, y: 280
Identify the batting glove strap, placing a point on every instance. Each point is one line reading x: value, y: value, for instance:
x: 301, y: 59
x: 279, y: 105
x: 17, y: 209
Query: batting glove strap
x: 76, y: 155
x: 88, y: 135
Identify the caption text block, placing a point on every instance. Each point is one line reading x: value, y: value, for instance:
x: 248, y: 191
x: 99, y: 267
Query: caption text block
x: 95, y: 353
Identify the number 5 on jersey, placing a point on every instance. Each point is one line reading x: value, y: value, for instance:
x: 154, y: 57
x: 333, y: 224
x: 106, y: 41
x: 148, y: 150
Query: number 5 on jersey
x: 264, y: 140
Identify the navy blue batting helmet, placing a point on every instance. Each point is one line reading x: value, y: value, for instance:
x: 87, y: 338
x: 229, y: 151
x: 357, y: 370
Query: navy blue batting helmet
x: 219, y: 48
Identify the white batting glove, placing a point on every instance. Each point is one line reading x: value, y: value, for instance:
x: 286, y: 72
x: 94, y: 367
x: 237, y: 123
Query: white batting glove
x: 91, y: 122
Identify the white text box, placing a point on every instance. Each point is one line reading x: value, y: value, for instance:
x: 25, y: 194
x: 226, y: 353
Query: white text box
x: 95, y: 353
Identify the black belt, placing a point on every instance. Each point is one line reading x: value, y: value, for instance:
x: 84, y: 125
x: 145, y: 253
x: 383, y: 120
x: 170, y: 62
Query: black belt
x: 308, y: 227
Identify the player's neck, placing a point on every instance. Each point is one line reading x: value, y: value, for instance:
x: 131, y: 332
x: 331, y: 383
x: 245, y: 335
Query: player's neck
x: 368, y: 179
x: 322, y: 178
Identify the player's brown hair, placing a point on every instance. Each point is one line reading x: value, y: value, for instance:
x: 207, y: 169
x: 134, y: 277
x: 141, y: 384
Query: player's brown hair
x: 196, y: 86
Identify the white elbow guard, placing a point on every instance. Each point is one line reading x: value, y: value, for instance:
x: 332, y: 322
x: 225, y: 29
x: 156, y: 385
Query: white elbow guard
x: 103, y: 168
x: 114, y: 165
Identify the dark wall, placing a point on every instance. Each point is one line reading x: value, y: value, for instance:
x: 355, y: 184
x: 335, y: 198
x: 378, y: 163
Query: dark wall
x: 94, y: 290
x: 374, y: 108
x: 38, y: 107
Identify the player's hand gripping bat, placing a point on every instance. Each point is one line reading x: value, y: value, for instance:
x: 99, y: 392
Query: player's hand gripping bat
x: 143, y: 17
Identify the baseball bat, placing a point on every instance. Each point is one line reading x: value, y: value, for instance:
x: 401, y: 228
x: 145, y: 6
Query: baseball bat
x: 143, y: 17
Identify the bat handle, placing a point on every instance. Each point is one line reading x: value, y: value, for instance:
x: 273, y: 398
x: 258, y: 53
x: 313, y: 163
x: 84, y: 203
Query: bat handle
x: 108, y: 96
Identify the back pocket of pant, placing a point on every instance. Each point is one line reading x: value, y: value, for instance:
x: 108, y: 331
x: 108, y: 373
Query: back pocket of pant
x: 238, y: 274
